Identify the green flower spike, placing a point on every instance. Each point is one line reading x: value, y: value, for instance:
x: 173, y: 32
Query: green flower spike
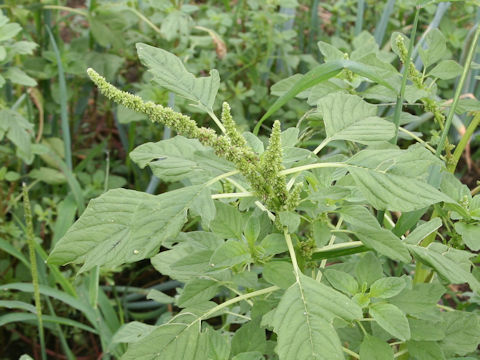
x: 230, y: 127
x: 271, y: 165
x: 293, y: 199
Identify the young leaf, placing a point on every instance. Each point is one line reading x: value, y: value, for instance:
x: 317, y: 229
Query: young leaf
x: 436, y: 48
x: 392, y: 319
x: 231, y: 253
x: 303, y: 321
x: 198, y: 291
x: 425, y: 350
x: 229, y: 222
x: 446, y: 70
x: 169, y: 72
x: 348, y: 117
x: 180, y: 338
x: 419, y: 300
x: 387, y: 287
x: 373, y: 348
x: 470, y: 234
x: 180, y: 158
x: 342, y: 281
x: 423, y: 230
x: 123, y: 226
x: 279, y: 273
x: 368, y: 269
x: 389, y: 182
x: 368, y: 230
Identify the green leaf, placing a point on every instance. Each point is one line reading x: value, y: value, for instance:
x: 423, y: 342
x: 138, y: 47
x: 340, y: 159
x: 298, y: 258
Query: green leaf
x: 198, y: 291
x: 470, y: 234
x: 279, y: 273
x: 387, y: 287
x: 123, y: 226
x: 178, y: 339
x: 19, y: 132
x: 8, y: 31
x: 368, y: 269
x: 48, y: 175
x: 190, y: 258
x: 132, y: 332
x: 342, y: 281
x: 180, y: 158
x: 391, y: 319
x: 274, y: 244
x: 160, y: 297
x: 420, y: 299
x: 462, y: 334
x: 303, y: 321
x: 348, y: 117
x: 289, y: 219
x: 427, y: 330
x: 368, y: 230
x: 230, y: 254
x: 169, y: 72
x: 439, y: 257
x: 425, y: 350
x: 229, y: 222
x: 15, y: 304
x: 250, y: 337
x: 390, y: 179
x: 436, y: 48
x: 423, y: 230
x: 218, y: 345
x: 373, y: 348
x: 446, y: 70
x: 18, y: 76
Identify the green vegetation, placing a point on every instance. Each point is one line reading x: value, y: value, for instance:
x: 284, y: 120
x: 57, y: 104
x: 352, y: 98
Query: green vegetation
x: 259, y: 180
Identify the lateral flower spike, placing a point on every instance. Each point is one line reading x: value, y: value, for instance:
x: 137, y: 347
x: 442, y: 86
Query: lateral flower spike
x: 293, y: 199
x: 230, y: 127
x: 271, y: 164
x: 244, y: 159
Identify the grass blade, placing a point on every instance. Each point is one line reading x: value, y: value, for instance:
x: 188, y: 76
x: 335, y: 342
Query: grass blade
x: 63, y: 102
x: 381, y: 27
x: 359, y: 20
x: 33, y: 262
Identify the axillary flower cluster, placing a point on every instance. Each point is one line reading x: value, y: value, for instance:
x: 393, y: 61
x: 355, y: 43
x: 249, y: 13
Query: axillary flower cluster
x: 262, y: 172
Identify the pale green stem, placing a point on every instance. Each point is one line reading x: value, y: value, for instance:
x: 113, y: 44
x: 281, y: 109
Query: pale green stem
x: 257, y: 203
x: 291, y: 251
x: 217, y: 121
x: 222, y: 176
x: 463, y: 142
x: 312, y: 166
x: 148, y: 22
x: 33, y: 267
x: 400, y: 353
x: 415, y: 137
x: 362, y: 327
x: 322, y: 145
x: 233, y: 195
x: 66, y: 8
x: 238, y: 315
x: 458, y: 91
x: 347, y: 245
x: 446, y: 308
x: 236, y: 300
x: 329, y: 247
x: 350, y: 352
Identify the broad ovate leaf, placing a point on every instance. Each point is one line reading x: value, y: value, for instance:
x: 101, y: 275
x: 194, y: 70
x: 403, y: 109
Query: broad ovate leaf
x: 124, y: 226
x: 395, y: 180
x: 303, y: 321
x: 180, y: 158
x: 169, y: 72
x: 391, y: 319
x: 349, y: 117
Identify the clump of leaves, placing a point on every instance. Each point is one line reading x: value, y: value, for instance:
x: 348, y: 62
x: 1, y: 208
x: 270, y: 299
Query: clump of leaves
x: 259, y: 259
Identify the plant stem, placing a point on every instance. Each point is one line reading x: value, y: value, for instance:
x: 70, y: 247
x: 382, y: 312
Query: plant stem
x: 291, y: 251
x: 458, y: 91
x: 330, y: 246
x: 33, y: 261
x: 65, y: 8
x: 312, y: 166
x: 222, y: 176
x: 322, y: 145
x: 350, y: 352
x: 463, y: 142
x: 401, y: 95
x: 233, y: 195
x: 415, y: 137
